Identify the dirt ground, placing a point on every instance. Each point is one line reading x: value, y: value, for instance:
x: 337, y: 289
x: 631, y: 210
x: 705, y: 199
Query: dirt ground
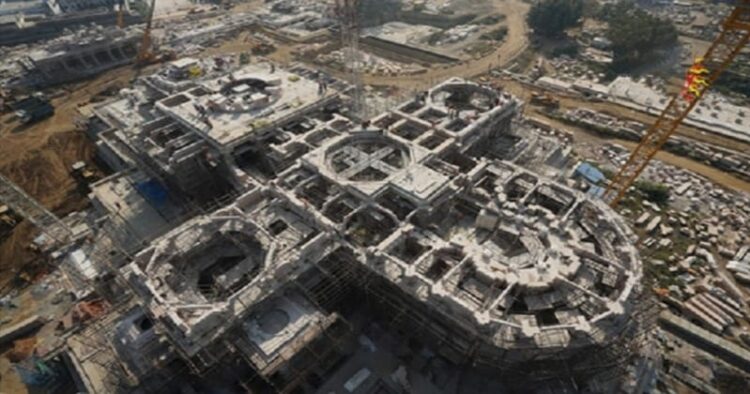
x: 524, y: 92
x: 514, y: 44
x: 583, y: 136
x: 22, y: 349
x: 38, y: 158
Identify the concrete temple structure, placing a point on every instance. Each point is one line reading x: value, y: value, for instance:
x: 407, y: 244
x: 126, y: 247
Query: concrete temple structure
x: 438, y: 216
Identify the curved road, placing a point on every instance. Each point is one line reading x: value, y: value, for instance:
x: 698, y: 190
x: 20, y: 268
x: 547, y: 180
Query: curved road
x: 514, y: 44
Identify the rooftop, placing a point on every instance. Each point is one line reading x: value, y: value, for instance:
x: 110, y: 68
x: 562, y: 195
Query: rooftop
x: 713, y: 113
x: 230, y: 109
x: 411, y: 199
x: 81, y: 39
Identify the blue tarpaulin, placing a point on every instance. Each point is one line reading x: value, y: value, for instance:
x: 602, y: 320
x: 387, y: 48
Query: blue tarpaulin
x: 153, y: 191
x: 590, y: 173
x: 596, y: 191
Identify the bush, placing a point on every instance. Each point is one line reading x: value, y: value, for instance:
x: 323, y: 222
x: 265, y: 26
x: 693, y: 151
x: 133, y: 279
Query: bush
x: 377, y: 12
x: 654, y: 192
x: 569, y: 49
x: 550, y: 18
x: 141, y: 7
x: 496, y: 35
x: 491, y: 19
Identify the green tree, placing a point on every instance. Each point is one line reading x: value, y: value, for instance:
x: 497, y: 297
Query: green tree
x: 637, y: 36
x: 654, y: 192
x: 378, y: 12
x: 550, y: 18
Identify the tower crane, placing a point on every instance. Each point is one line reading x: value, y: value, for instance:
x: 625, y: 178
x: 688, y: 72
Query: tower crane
x: 347, y: 11
x: 734, y: 35
x: 121, y: 14
x: 146, y: 52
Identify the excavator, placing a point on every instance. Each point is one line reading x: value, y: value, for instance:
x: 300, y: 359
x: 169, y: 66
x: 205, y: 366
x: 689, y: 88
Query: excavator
x: 734, y: 36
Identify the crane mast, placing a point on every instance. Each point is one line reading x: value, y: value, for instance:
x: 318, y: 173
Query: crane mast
x: 735, y: 34
x: 121, y: 14
x: 145, y: 52
x: 347, y: 11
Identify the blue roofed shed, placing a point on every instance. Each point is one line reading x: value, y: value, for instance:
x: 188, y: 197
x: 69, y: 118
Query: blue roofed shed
x: 590, y: 173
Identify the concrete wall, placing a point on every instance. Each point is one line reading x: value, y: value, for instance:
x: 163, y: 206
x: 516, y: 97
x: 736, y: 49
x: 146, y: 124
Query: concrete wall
x: 436, y: 20
x: 402, y: 53
x: 713, y: 344
x: 53, y: 27
x: 89, y: 61
x: 63, y: 6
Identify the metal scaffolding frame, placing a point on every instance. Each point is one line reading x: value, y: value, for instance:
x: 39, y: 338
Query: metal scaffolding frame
x: 23, y: 204
x: 347, y: 12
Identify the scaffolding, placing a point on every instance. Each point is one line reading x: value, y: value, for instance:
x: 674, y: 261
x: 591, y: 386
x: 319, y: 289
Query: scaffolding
x: 336, y: 284
x: 23, y: 204
x: 347, y: 12
x: 109, y: 252
x: 343, y: 281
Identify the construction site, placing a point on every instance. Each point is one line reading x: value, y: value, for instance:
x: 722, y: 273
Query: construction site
x: 318, y: 228
x: 287, y: 198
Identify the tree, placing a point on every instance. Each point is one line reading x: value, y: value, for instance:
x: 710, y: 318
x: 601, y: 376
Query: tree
x: 637, y: 36
x: 378, y: 12
x: 550, y: 18
x: 654, y: 192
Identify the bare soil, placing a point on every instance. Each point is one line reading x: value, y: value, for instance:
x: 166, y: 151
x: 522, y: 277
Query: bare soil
x: 514, y: 44
x: 38, y: 157
x: 714, y: 175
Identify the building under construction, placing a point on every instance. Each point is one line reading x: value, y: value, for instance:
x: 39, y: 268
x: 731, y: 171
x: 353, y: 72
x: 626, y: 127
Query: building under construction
x: 79, y: 55
x: 257, y: 239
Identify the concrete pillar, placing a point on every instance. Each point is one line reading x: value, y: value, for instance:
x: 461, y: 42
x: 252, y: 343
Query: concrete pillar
x: 91, y: 56
x: 82, y: 61
x: 122, y: 53
x: 108, y: 55
x: 64, y: 64
x: 115, y: 54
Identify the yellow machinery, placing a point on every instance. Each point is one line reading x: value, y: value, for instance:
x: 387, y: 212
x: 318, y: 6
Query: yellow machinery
x: 195, y: 71
x: 733, y: 37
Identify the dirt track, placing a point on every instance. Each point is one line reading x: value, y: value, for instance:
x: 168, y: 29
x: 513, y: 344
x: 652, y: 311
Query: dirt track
x: 514, y: 44
x: 37, y: 159
x: 717, y: 176
x: 524, y: 91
